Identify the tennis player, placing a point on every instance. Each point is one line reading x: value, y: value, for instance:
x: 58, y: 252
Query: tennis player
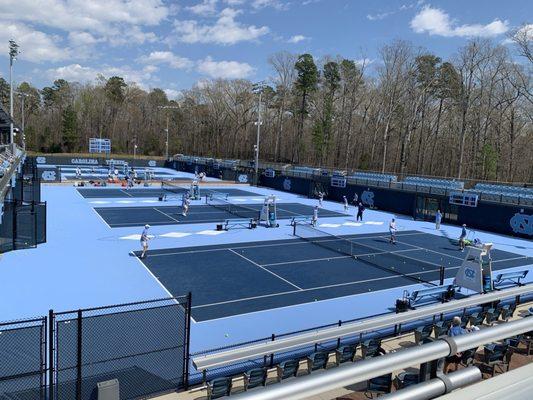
x: 185, y: 202
x: 462, y: 238
x: 392, y: 230
x: 345, y: 200
x: 78, y: 172
x: 320, y: 198
x: 144, y: 240
x: 314, y: 220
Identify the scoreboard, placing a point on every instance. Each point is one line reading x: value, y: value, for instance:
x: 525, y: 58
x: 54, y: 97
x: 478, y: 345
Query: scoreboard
x: 97, y: 145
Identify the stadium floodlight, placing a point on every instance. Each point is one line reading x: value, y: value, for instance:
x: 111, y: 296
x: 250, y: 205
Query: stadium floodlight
x: 258, y: 88
x: 166, y: 130
x: 13, y: 52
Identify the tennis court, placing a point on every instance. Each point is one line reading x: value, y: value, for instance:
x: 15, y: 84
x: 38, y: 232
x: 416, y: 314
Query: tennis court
x: 121, y: 217
x: 94, y: 193
x: 249, y: 277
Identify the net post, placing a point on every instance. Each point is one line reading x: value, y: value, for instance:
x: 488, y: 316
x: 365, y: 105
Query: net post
x: 441, y: 275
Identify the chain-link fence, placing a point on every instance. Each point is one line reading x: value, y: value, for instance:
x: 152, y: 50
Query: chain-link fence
x: 145, y: 346
x: 23, y: 360
x: 23, y: 225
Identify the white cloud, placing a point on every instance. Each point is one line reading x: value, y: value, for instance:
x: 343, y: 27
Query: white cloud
x: 94, y: 15
x: 435, y: 21
x: 206, y: 7
x: 79, y: 73
x: 225, y: 31
x: 297, y: 39
x: 276, y: 4
x: 35, y: 46
x: 172, y: 94
x: 378, y: 16
x: 167, y: 58
x: 225, y: 69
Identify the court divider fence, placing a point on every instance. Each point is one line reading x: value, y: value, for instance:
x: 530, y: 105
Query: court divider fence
x: 143, y: 345
x: 23, y: 359
x: 23, y: 225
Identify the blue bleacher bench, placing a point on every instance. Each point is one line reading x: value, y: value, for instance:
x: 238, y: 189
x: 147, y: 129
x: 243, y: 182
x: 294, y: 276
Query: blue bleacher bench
x: 513, y: 278
x: 245, y: 222
x: 306, y: 219
x: 441, y: 293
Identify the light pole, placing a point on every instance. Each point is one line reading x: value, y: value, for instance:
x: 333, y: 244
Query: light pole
x: 134, y: 148
x: 13, y: 52
x: 166, y: 130
x: 22, y: 118
x: 258, y: 88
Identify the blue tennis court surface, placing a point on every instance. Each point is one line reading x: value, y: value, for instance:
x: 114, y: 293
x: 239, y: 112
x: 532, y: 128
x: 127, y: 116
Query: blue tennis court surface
x: 93, y: 193
x: 242, y: 278
x: 120, y: 217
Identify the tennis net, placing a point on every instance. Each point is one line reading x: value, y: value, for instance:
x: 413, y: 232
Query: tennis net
x: 235, y: 209
x: 213, y: 193
x: 388, y: 261
x: 172, y: 187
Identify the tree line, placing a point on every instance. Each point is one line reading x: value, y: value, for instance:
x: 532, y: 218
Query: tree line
x: 408, y: 112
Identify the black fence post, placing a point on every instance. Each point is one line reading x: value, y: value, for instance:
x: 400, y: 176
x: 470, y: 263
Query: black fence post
x: 441, y: 275
x: 272, y: 355
x: 79, y: 357
x: 187, y: 357
x: 339, y: 339
x: 51, y: 361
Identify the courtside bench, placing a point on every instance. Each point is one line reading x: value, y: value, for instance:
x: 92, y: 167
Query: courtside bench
x: 243, y: 223
x: 511, y: 278
x: 441, y: 293
x: 303, y: 219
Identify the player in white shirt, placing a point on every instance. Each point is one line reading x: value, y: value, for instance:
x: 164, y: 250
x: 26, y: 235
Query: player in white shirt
x: 314, y: 220
x: 392, y: 230
x: 144, y: 240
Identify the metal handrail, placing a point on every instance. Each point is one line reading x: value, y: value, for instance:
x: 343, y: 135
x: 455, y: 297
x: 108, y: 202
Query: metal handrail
x: 265, y: 348
x: 361, y: 371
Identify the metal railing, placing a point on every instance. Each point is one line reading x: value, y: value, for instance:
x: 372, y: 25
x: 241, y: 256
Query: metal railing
x: 268, y: 347
x: 361, y: 371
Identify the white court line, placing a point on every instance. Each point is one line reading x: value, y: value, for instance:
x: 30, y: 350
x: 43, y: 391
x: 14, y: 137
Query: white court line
x: 165, y: 214
x: 287, y: 243
x: 125, y: 192
x: 102, y: 218
x: 334, y: 258
x: 321, y: 287
x: 266, y: 270
x: 156, y: 279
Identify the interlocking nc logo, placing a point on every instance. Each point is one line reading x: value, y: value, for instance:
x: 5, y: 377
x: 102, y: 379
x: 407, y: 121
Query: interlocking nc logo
x: 522, y: 223
x: 470, y: 273
x: 41, y: 160
x: 49, y: 175
x: 367, y: 198
x: 287, y: 185
x: 151, y: 163
x: 243, y: 178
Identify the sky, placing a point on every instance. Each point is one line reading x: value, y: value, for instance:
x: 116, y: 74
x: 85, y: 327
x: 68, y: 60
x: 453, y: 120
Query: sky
x: 174, y: 44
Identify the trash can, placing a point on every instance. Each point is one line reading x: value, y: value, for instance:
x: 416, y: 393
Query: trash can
x: 108, y: 390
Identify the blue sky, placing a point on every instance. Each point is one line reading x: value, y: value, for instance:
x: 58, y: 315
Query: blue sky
x: 174, y: 44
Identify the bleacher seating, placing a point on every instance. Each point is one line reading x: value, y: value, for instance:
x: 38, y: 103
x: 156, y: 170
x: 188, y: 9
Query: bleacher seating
x: 417, y: 181
x: 495, y: 356
x: 504, y: 191
x: 373, y: 177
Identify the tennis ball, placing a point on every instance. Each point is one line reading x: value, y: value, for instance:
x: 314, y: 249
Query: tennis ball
x: 226, y: 335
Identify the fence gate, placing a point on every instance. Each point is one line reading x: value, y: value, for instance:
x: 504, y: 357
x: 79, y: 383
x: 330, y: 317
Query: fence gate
x: 145, y: 346
x: 23, y: 359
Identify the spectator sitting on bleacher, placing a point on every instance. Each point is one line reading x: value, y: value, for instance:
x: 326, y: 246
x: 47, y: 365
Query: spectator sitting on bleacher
x: 455, y: 330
